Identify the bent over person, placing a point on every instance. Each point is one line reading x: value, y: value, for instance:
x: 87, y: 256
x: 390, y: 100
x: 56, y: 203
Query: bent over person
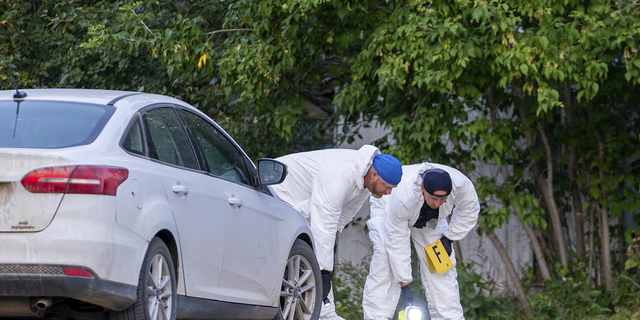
x: 329, y: 187
x: 417, y: 210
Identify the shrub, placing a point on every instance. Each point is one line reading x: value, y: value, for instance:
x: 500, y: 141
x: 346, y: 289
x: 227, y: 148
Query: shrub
x: 348, y: 284
x: 476, y: 296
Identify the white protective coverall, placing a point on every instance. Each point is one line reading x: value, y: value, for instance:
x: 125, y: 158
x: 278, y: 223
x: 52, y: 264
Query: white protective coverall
x: 327, y: 187
x: 390, y: 230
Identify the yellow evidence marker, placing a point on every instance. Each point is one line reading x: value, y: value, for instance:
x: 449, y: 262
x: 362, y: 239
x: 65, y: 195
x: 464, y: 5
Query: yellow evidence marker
x: 438, y: 258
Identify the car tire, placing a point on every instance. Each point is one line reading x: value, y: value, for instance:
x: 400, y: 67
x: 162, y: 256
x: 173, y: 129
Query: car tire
x: 301, y: 289
x: 156, y: 294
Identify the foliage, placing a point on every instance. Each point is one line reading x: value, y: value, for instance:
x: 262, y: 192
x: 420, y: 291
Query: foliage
x: 563, y: 298
x: 476, y: 295
x: 626, y: 295
x: 570, y: 298
x: 543, y: 90
x: 154, y: 46
x: 537, y: 99
x: 348, y: 284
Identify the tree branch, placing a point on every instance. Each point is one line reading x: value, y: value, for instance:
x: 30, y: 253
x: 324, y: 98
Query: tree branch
x: 229, y: 30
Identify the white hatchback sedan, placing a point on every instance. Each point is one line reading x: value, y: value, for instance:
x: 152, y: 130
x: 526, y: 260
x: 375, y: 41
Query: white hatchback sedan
x: 128, y: 205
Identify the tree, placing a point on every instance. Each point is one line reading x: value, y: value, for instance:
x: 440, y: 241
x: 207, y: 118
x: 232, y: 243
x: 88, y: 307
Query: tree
x: 422, y: 67
x: 448, y: 55
x: 545, y: 92
x: 155, y: 46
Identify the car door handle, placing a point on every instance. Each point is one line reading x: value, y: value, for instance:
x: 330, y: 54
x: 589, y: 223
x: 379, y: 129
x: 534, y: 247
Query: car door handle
x: 235, y: 202
x: 180, y: 189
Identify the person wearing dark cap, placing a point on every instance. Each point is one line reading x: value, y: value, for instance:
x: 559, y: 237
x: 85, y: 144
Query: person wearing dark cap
x: 417, y: 210
x: 329, y: 187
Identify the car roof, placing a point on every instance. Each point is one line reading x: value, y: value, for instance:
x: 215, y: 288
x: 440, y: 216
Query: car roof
x: 95, y: 96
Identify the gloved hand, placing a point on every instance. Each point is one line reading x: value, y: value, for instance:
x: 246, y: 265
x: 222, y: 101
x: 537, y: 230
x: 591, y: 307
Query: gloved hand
x: 326, y: 283
x: 407, y: 296
x: 446, y: 243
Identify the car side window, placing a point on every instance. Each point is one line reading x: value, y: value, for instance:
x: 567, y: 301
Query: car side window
x: 134, y: 142
x: 167, y: 140
x: 222, y: 157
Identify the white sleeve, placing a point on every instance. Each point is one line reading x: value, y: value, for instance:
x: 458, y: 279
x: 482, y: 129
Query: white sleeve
x: 328, y: 192
x: 376, y: 207
x: 351, y: 209
x: 465, y: 213
x: 398, y: 236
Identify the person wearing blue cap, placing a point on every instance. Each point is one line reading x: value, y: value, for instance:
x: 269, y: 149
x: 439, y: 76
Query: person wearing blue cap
x: 417, y: 210
x: 329, y: 187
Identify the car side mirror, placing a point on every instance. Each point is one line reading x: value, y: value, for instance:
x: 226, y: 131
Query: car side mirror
x: 271, y: 171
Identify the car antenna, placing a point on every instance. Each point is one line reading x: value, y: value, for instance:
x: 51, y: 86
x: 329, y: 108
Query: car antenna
x: 19, y: 94
x: 17, y: 97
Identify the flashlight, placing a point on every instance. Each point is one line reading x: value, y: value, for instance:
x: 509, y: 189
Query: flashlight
x: 410, y: 313
x: 414, y: 313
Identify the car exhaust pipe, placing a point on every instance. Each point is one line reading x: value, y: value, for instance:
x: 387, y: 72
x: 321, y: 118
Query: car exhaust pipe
x: 43, y: 303
x: 16, y: 307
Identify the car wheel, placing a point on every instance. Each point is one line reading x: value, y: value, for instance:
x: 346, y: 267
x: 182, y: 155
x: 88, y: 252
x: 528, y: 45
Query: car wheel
x: 156, y: 294
x: 301, y: 285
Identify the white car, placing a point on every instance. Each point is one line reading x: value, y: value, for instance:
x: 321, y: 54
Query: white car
x: 128, y: 205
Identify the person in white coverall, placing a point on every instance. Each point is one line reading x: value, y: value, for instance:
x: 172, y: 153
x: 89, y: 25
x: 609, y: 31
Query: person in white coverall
x: 417, y: 210
x: 329, y: 187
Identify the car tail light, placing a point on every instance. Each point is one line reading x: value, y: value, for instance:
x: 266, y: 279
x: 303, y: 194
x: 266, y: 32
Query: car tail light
x: 77, y: 272
x: 81, y: 179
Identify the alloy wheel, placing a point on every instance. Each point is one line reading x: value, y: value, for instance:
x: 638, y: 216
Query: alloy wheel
x: 160, y: 302
x: 298, y: 293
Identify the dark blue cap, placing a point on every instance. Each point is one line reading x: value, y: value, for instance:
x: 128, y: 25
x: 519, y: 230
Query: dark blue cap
x: 436, y: 179
x: 388, y: 167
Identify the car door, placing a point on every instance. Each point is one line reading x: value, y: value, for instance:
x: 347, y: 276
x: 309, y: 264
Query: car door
x: 249, y: 273
x: 194, y: 197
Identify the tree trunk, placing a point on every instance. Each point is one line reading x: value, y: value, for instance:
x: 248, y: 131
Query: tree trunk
x: 592, y: 249
x: 572, y: 169
x: 463, y: 168
x: 458, y: 250
x: 504, y: 255
x: 502, y: 251
x: 603, y: 214
x: 514, y: 275
x: 605, y: 241
x: 578, y: 214
x: 545, y: 185
x: 537, y: 250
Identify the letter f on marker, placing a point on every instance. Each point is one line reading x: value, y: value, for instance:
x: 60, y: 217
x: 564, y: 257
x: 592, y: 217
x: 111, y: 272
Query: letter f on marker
x: 438, y: 253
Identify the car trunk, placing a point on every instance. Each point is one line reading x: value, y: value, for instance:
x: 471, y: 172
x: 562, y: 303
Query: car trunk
x: 21, y: 210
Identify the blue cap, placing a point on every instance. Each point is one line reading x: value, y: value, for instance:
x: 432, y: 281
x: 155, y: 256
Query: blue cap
x: 436, y: 179
x: 388, y: 167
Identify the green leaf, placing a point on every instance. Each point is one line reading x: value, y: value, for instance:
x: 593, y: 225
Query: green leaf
x: 595, y: 192
x: 544, y: 42
x: 497, y: 159
x: 477, y: 13
x: 630, y: 263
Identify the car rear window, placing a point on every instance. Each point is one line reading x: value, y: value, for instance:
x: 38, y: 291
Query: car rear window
x: 50, y: 124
